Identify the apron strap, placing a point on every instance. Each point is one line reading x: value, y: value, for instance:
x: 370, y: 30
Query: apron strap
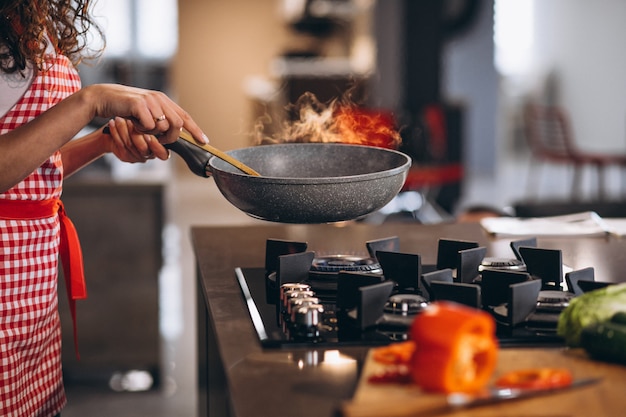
x: 69, y: 248
x: 73, y: 269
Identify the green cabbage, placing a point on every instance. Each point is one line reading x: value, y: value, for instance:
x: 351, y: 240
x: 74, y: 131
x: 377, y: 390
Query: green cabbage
x: 588, y: 308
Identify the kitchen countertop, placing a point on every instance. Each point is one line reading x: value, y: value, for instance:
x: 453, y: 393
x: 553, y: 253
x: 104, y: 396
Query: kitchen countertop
x: 238, y: 378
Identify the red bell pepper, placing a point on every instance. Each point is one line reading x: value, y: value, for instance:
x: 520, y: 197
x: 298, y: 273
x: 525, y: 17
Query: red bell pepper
x: 455, y: 348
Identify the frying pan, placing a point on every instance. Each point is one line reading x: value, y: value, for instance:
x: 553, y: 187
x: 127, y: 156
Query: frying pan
x: 304, y: 182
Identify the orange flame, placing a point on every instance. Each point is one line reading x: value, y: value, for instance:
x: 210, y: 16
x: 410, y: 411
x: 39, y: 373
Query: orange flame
x: 367, y: 127
x: 334, y: 122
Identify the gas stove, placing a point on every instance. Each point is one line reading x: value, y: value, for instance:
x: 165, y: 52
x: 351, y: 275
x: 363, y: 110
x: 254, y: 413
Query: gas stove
x: 302, y: 298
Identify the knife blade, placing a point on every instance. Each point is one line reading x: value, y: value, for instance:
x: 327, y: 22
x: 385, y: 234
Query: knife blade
x: 435, y: 405
x: 494, y: 395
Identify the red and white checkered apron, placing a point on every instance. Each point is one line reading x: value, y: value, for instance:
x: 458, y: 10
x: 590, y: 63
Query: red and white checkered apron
x: 30, y: 332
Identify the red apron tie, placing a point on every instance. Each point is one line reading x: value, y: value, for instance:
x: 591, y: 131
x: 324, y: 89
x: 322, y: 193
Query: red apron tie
x: 69, y: 249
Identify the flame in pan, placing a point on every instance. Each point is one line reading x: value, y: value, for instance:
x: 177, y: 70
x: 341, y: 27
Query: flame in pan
x: 337, y: 121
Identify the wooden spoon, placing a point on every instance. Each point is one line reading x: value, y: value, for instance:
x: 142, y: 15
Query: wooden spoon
x: 220, y: 154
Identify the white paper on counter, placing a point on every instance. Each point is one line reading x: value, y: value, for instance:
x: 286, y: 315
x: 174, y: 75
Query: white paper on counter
x: 586, y: 223
x: 616, y: 226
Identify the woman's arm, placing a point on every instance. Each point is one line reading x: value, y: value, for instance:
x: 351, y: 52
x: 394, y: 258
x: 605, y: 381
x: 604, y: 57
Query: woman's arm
x: 27, y: 147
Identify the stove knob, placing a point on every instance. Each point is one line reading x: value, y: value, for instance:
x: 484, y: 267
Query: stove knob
x: 306, y: 321
x: 295, y: 294
x: 294, y: 303
x: 292, y: 286
x: 308, y: 316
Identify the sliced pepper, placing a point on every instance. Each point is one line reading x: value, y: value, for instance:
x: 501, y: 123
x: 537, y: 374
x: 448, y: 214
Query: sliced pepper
x: 455, y: 348
x: 399, y: 353
x: 536, y: 378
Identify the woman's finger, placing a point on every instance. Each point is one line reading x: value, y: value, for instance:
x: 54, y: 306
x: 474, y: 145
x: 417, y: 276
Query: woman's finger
x: 130, y: 142
x: 138, y: 142
x: 157, y: 150
x: 175, y: 119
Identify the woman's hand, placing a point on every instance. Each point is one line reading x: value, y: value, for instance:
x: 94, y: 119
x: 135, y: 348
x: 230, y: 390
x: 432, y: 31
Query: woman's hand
x: 25, y: 148
x: 130, y: 146
x: 151, y: 112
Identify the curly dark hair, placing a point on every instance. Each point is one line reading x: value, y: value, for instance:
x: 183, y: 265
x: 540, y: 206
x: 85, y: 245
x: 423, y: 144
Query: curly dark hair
x: 29, y: 26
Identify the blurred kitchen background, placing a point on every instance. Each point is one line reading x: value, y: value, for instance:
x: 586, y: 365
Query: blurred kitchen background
x: 454, y: 74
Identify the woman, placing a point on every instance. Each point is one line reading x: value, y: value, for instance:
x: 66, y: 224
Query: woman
x: 42, y: 108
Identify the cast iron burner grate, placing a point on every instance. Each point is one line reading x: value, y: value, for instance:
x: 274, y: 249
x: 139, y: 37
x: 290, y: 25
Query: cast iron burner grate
x: 372, y: 300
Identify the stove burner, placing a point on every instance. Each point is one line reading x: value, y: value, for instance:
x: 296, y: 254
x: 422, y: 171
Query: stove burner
x: 405, y: 304
x: 553, y: 301
x: 337, y: 263
x: 554, y: 297
x: 509, y: 264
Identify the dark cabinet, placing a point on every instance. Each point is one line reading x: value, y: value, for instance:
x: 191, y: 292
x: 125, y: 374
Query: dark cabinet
x: 120, y: 227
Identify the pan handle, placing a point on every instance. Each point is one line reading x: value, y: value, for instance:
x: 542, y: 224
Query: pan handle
x: 197, y: 159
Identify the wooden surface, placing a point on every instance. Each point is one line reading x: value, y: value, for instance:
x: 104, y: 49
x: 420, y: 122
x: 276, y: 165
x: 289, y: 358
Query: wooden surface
x: 605, y: 398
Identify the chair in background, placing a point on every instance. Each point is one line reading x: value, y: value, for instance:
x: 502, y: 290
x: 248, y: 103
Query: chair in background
x: 550, y: 138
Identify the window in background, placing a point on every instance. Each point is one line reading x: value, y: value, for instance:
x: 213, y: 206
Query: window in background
x: 513, y: 36
x: 145, y: 29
